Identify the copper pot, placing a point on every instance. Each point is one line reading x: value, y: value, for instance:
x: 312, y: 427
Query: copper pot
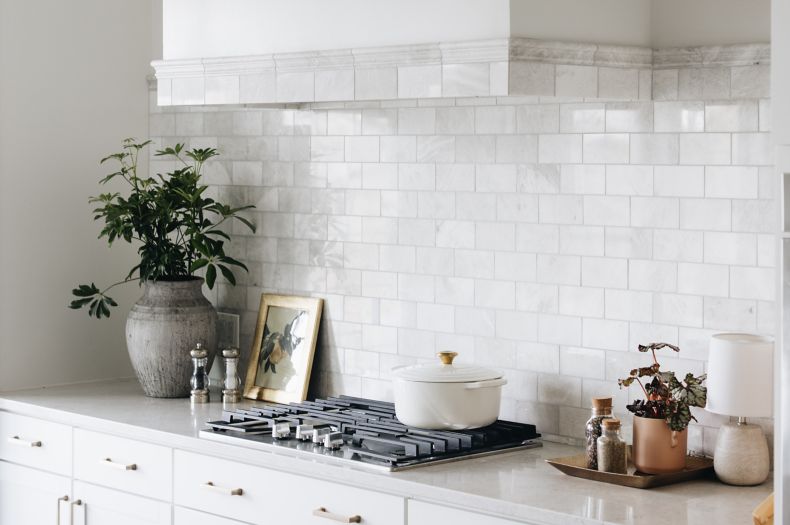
x: 658, y: 449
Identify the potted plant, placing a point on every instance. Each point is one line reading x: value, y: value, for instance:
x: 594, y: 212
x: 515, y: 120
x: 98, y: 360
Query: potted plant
x: 179, y: 231
x: 661, y: 419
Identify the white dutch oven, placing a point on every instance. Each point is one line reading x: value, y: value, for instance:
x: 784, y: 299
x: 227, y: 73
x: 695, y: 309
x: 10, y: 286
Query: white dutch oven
x: 447, y: 396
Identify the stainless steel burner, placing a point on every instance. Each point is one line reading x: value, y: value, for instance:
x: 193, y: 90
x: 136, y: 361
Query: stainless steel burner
x: 363, y: 431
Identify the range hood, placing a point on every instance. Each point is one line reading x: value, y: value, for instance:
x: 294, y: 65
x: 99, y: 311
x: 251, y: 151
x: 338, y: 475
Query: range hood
x: 282, y: 51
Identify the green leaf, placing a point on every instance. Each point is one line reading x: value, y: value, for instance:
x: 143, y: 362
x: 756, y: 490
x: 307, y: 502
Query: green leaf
x: 228, y: 274
x: 211, y: 276
x: 197, y: 265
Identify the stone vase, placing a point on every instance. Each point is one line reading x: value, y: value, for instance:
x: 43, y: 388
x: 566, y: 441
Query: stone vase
x: 658, y: 449
x: 163, y: 326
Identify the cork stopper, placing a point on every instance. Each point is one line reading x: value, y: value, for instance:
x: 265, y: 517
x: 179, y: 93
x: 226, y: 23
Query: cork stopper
x: 601, y: 402
x: 611, y: 424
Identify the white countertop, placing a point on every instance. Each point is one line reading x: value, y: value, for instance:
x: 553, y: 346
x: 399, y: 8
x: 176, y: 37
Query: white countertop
x: 517, y: 484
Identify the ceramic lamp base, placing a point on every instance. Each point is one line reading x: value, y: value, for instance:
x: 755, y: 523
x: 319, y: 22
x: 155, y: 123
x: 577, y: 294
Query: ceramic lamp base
x: 741, y: 455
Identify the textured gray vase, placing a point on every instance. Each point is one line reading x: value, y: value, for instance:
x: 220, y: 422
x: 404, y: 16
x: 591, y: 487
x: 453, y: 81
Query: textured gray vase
x: 162, y: 327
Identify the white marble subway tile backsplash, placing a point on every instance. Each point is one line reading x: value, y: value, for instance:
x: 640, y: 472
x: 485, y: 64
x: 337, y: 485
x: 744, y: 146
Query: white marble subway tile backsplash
x: 544, y: 236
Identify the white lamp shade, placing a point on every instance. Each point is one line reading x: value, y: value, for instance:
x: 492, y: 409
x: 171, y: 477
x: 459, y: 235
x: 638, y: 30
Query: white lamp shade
x: 740, y: 375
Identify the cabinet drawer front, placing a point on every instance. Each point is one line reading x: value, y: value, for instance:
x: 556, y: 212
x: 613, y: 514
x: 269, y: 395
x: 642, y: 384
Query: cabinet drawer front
x: 124, y: 464
x: 421, y: 513
x: 101, y: 506
x: 192, y: 517
x: 35, y: 443
x: 263, y: 496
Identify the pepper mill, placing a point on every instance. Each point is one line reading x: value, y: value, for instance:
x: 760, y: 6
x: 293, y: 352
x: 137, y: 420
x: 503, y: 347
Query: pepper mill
x: 199, y: 382
x: 231, y: 393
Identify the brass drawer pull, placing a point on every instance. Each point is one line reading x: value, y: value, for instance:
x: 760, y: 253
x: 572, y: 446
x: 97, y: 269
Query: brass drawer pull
x: 16, y: 440
x: 60, y: 499
x: 321, y: 512
x: 120, y: 466
x: 230, y: 492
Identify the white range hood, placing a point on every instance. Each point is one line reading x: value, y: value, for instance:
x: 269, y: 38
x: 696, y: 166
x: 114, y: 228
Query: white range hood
x: 282, y: 51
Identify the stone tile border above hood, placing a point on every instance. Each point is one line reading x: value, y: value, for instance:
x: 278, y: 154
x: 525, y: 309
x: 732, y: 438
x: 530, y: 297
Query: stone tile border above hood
x: 515, y: 66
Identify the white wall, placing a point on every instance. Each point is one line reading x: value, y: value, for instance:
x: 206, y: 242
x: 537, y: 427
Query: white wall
x: 73, y: 85
x: 710, y: 22
x: 622, y: 22
x: 212, y: 28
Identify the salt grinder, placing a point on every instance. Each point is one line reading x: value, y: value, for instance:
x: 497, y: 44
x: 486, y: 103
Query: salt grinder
x: 231, y: 392
x: 199, y: 382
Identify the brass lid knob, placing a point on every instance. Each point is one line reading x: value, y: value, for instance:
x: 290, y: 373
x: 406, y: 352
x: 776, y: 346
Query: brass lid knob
x: 447, y: 357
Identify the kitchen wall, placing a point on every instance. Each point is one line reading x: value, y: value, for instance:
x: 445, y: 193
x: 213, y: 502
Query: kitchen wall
x: 547, y: 237
x: 72, y: 87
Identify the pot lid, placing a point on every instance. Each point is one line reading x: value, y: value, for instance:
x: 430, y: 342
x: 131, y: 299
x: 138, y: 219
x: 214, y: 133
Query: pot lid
x: 444, y: 371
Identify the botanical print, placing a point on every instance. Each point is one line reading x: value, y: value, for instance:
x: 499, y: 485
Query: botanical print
x: 284, y: 349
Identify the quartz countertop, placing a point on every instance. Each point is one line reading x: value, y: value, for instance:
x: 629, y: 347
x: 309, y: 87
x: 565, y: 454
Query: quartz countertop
x: 518, y: 485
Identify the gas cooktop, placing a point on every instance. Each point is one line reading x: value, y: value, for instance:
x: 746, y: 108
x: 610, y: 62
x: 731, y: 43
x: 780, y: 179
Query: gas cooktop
x: 363, y: 432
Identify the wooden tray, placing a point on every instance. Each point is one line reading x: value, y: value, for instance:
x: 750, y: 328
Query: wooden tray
x: 577, y: 466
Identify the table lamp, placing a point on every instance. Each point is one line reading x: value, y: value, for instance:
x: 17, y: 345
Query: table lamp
x: 740, y: 384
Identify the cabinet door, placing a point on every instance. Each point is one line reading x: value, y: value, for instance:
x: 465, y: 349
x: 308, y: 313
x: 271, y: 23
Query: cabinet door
x: 29, y: 496
x: 429, y: 514
x: 101, y: 506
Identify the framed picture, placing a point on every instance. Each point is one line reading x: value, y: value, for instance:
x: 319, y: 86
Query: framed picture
x: 283, y: 348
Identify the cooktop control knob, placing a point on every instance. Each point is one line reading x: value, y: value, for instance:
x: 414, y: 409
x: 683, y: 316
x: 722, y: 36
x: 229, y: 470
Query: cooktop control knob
x: 319, y: 433
x: 333, y: 440
x: 281, y: 430
x: 304, y: 432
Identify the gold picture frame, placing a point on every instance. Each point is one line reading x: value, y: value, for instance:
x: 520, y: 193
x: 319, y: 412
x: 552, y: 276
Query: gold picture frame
x: 285, y: 339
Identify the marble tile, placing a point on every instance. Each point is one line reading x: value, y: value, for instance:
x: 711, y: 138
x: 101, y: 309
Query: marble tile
x: 731, y: 182
x: 455, y: 120
x: 606, y: 148
x: 576, y: 81
x: 629, y: 117
x: 495, y: 120
x: 582, y: 118
x: 752, y: 149
x: 679, y: 116
x: 538, y: 118
x: 560, y: 148
x: 465, y: 80
x: 751, y: 81
x: 530, y: 78
x: 187, y: 91
x: 376, y: 83
x: 419, y: 81
x: 295, y: 86
x: 665, y: 84
x: 705, y: 148
x: 259, y: 87
x: 223, y: 89
x: 334, y: 84
x: 618, y: 83
x: 654, y: 148
x: 679, y: 181
x: 731, y: 116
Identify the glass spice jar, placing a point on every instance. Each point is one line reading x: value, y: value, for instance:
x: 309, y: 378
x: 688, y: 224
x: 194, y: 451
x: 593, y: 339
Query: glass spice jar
x: 611, y: 448
x: 601, y: 409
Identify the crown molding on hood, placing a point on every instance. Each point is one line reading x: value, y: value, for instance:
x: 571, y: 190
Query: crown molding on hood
x: 498, y: 67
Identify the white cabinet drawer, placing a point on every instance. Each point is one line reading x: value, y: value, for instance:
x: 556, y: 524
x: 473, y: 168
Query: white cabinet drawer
x: 192, y: 517
x: 259, y: 496
x: 421, y: 513
x: 35, y: 443
x: 124, y: 464
x: 101, y: 506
